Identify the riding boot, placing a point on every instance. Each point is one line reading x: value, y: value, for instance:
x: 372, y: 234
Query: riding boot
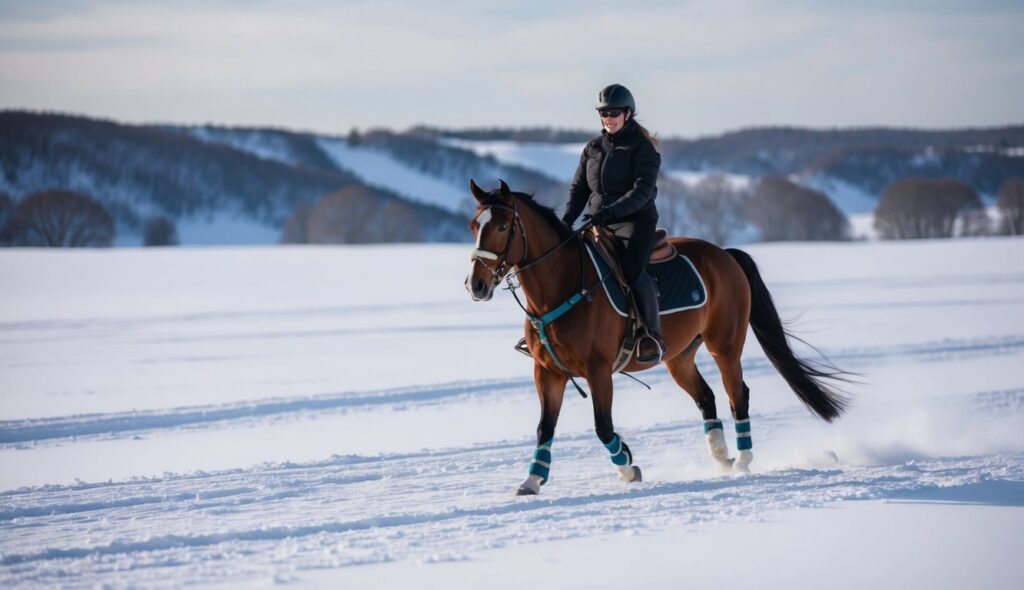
x: 651, y: 347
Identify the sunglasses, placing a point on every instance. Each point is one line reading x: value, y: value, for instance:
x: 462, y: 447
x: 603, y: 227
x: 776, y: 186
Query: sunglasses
x: 610, y: 114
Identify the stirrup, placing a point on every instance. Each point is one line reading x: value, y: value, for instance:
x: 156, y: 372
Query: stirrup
x: 649, y: 358
x: 522, y: 347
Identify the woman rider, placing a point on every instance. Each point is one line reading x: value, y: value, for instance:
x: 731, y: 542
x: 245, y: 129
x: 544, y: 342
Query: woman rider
x: 617, y: 176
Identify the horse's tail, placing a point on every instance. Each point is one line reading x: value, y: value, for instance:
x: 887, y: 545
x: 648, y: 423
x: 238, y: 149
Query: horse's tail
x: 807, y: 380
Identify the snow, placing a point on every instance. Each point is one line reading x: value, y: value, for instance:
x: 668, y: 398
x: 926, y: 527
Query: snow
x: 225, y: 229
x: 260, y: 415
x: 555, y: 160
x: 560, y: 160
x: 1012, y: 152
x: 264, y: 144
x: 378, y: 168
x: 862, y: 226
x: 693, y: 177
x: 822, y: 548
x: 850, y: 199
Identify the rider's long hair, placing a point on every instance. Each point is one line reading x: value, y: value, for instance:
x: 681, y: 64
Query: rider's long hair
x: 653, y: 138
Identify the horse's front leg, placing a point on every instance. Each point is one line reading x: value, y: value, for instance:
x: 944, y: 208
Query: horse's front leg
x: 550, y: 390
x: 600, y: 381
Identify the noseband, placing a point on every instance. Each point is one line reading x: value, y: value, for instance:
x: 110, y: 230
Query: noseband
x: 479, y: 255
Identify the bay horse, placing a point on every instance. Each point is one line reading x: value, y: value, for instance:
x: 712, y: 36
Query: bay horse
x: 515, y: 233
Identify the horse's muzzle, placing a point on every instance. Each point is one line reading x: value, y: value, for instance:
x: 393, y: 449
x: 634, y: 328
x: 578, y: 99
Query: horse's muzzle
x: 478, y: 288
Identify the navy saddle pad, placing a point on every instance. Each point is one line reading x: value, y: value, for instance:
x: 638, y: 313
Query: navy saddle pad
x: 680, y: 286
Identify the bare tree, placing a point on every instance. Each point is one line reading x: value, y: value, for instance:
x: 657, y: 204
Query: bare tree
x: 398, y: 223
x: 294, y: 231
x: 919, y: 208
x: 1011, y: 206
x: 713, y: 207
x: 160, y: 231
x: 672, y: 206
x: 354, y: 215
x: 784, y: 210
x: 7, y: 229
x: 343, y: 217
x: 61, y: 218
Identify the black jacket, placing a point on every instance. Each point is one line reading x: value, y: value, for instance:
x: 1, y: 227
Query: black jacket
x: 619, y: 171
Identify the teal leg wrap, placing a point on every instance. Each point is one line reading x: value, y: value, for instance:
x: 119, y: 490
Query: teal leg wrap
x: 710, y: 425
x: 541, y: 464
x: 619, y: 451
x: 743, y: 440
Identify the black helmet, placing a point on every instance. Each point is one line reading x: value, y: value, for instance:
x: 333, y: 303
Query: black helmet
x: 616, y: 96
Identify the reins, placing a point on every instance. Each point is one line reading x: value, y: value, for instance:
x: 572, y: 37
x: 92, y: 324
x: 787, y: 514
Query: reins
x: 541, y: 322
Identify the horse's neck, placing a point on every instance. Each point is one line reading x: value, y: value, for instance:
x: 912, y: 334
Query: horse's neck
x: 553, y: 280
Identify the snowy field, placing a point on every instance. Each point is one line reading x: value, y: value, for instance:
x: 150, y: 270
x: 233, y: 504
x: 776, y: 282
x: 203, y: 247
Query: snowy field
x: 347, y: 417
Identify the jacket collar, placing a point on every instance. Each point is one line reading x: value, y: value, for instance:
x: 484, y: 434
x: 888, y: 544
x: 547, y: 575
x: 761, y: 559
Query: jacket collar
x: 624, y: 134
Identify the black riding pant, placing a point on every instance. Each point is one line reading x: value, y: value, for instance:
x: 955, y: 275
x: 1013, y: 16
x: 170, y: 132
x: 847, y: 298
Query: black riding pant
x: 639, y: 241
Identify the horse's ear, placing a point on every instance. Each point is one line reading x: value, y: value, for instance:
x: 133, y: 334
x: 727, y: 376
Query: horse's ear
x: 506, y: 193
x: 478, y: 193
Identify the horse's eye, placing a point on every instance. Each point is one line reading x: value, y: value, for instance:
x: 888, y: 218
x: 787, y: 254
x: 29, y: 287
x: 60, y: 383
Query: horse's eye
x: 503, y: 227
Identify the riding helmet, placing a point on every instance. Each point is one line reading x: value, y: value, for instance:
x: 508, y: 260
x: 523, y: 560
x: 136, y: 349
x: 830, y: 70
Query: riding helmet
x: 616, y: 96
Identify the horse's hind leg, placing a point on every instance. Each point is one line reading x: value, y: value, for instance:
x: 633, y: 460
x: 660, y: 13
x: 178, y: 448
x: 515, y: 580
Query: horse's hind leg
x: 550, y: 390
x: 684, y: 370
x: 739, y: 403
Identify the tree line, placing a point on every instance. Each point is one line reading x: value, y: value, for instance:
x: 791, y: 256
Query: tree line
x: 712, y: 209
x: 180, y: 173
x: 69, y: 219
x: 780, y: 209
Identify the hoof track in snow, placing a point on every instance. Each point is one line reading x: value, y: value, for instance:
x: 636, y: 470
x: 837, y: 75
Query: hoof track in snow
x: 354, y: 510
x: 225, y: 415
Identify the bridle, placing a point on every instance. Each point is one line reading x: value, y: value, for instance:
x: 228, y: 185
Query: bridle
x: 501, y: 269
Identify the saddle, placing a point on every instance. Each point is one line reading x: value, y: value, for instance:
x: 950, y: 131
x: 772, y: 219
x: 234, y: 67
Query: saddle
x: 663, y: 250
x: 679, y: 285
x: 606, y: 241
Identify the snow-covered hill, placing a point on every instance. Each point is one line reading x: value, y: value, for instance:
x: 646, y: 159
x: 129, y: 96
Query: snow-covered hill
x: 220, y: 185
x: 243, y: 416
x: 560, y: 160
x: 557, y: 160
x: 379, y: 168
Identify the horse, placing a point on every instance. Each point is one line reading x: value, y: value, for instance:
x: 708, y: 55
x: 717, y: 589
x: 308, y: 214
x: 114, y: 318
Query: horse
x: 515, y: 234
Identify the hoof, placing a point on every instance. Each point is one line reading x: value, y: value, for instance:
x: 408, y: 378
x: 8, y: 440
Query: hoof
x: 718, y: 449
x: 530, y: 487
x: 742, y: 464
x: 630, y: 474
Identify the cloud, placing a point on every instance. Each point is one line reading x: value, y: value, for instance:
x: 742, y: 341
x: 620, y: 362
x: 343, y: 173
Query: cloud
x: 695, y: 67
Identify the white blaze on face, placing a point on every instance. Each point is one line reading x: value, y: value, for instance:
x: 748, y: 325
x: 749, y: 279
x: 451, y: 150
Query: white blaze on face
x: 481, y: 223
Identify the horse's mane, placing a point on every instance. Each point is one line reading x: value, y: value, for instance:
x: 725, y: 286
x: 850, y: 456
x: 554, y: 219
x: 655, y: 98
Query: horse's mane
x: 546, y: 213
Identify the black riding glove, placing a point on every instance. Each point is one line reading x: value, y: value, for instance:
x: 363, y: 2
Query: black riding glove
x: 602, y: 216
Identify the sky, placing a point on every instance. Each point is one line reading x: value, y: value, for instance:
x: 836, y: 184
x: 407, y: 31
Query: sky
x: 695, y: 68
